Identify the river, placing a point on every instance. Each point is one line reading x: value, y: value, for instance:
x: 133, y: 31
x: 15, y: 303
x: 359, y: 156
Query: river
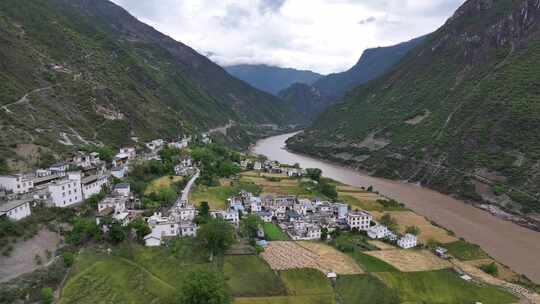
x: 508, y: 243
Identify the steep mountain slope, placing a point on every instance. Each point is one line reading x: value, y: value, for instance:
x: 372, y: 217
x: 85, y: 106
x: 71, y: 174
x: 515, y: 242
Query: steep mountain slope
x: 74, y: 71
x: 329, y: 89
x: 271, y: 79
x: 460, y: 113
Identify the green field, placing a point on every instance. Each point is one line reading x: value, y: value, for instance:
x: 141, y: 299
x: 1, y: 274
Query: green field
x: 306, y: 281
x: 215, y: 196
x: 371, y: 264
x: 160, y: 183
x: 442, y: 286
x: 313, y: 299
x: 364, y: 289
x: 465, y: 251
x: 274, y: 233
x: 132, y: 274
x: 250, y: 276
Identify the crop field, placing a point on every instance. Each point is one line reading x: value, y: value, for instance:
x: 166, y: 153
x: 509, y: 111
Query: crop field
x: 465, y: 251
x: 250, y: 276
x: 442, y: 286
x: 364, y: 289
x: 428, y: 231
x: 370, y: 263
x: 160, y: 183
x: 274, y: 233
x: 410, y: 260
x: 381, y: 245
x: 291, y: 255
x: 332, y: 259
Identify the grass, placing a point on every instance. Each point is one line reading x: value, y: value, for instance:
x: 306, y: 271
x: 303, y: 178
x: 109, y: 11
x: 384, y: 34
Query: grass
x: 132, y: 274
x: 364, y: 289
x: 215, y: 196
x: 250, y: 276
x: 306, y: 281
x: 274, y: 233
x: 466, y: 251
x: 442, y: 286
x: 314, y: 299
x: 371, y: 264
x: 160, y: 183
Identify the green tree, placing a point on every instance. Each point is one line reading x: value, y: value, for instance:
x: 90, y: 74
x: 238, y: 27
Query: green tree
x: 3, y: 166
x: 116, y: 233
x: 388, y: 221
x: 204, y: 286
x: 141, y: 228
x: 83, y: 230
x: 47, y: 296
x: 167, y: 196
x: 413, y: 230
x: 314, y: 174
x: 324, y: 234
x: 69, y: 258
x: 491, y: 269
x: 217, y: 236
x: 328, y: 190
x: 250, y: 225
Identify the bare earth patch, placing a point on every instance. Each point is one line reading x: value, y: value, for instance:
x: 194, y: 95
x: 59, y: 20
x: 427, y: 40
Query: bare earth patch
x: 410, y: 260
x: 505, y: 273
x: 418, y: 118
x: 427, y: 230
x: 290, y: 255
x: 22, y: 258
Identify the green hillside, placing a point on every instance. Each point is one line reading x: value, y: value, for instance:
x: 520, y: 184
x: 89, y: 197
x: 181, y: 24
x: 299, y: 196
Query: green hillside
x: 459, y: 113
x: 86, y: 71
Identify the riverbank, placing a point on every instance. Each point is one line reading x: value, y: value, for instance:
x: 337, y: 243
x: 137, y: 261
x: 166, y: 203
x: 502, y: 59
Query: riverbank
x: 507, y: 242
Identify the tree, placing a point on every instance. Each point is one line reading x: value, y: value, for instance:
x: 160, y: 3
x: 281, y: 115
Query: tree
x: 314, y: 174
x: 388, y: 221
x: 47, y: 296
x: 167, y: 196
x: 141, y: 228
x: 250, y: 225
x: 3, y: 166
x: 204, y: 213
x: 491, y: 269
x: 217, y: 235
x: 328, y: 190
x: 69, y: 258
x: 204, y: 286
x: 83, y: 230
x: 116, y: 233
x: 413, y: 230
x: 324, y: 234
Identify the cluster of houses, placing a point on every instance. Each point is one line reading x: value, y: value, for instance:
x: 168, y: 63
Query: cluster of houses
x: 273, y: 167
x: 77, y: 178
x: 177, y: 222
x: 304, y: 219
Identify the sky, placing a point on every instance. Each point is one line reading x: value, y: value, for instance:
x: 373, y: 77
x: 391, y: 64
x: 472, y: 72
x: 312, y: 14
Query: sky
x: 324, y: 36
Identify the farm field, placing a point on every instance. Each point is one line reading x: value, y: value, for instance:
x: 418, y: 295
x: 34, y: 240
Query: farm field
x: 215, y: 196
x: 364, y: 289
x: 381, y: 245
x: 250, y: 276
x: 465, y: 251
x: 410, y: 260
x: 274, y: 233
x: 160, y: 183
x: 370, y: 263
x: 332, y: 259
x: 442, y: 286
x: 428, y: 231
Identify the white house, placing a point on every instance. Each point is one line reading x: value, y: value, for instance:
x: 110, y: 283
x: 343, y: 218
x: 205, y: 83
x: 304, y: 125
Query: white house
x: 313, y: 232
x: 66, y: 192
x: 129, y: 151
x: 153, y: 239
x: 255, y: 204
x: 230, y: 216
x: 59, y: 168
x: 407, y: 241
x: 183, y: 212
x: 155, y: 145
x: 188, y: 229
x: 93, y: 185
x: 16, y: 209
x: 257, y: 166
x: 116, y: 203
x: 122, y: 189
x: 359, y: 220
x: 121, y: 160
x: 377, y: 232
x: 18, y: 183
x: 341, y: 210
x: 119, y: 172
x: 265, y: 216
x: 122, y: 218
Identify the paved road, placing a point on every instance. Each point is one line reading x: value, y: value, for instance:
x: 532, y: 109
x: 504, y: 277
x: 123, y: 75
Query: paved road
x: 185, y: 193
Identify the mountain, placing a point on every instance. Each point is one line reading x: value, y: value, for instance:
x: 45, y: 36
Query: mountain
x: 78, y: 71
x: 271, y: 79
x: 460, y: 113
x: 329, y: 89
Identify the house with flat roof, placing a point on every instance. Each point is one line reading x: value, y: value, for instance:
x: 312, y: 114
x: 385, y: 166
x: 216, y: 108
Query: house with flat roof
x: 15, y: 209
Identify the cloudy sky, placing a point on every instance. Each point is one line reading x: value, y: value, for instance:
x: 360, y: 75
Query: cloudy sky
x: 321, y: 35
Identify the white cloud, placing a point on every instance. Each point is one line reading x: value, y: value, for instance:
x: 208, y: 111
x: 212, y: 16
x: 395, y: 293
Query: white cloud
x: 322, y: 35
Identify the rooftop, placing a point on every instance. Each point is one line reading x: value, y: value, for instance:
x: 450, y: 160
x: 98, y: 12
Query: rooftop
x: 6, y: 206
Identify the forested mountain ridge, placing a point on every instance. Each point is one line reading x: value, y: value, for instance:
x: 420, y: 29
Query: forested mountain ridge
x: 460, y: 113
x: 315, y: 98
x: 271, y: 79
x: 78, y: 71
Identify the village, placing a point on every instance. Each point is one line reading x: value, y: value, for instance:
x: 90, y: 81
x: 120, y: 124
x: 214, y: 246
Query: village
x: 305, y: 221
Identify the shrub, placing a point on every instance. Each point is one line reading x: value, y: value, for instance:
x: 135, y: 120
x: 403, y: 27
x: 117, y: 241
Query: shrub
x: 491, y: 269
x: 47, y: 296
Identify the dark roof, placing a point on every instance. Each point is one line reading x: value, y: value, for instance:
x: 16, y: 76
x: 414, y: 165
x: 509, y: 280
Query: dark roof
x: 121, y: 186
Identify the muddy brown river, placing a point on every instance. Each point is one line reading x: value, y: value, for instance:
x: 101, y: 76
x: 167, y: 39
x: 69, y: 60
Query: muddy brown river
x: 507, y: 242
